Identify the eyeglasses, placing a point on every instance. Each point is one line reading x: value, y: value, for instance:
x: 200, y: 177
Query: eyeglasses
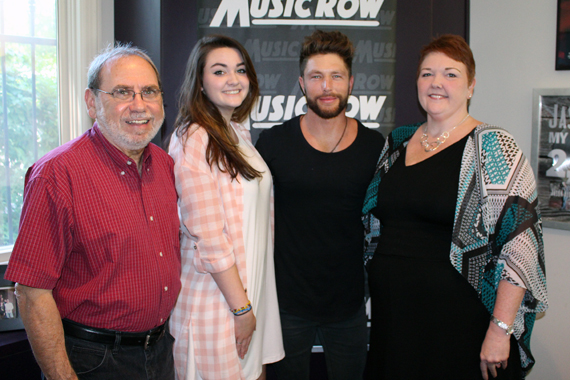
x: 124, y: 95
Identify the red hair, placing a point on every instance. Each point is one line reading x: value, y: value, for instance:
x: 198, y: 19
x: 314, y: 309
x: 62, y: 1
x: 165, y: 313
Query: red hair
x: 454, y: 47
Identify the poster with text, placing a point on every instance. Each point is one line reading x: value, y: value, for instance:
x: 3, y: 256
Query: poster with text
x: 272, y: 31
x: 552, y: 165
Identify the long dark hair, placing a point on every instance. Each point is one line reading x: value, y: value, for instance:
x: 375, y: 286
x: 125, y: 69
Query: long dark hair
x: 196, y: 107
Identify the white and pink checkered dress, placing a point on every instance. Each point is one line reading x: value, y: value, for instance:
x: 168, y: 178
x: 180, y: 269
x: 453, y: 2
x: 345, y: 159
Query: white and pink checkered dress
x: 212, y: 222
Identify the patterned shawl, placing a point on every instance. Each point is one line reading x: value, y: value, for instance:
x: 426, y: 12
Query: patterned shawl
x: 497, y: 232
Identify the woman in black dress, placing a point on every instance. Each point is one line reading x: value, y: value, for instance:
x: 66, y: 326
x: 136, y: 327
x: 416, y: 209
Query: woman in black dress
x: 457, y: 274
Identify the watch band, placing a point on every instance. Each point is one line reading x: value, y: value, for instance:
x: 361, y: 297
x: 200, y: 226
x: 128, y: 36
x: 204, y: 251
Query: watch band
x: 508, y: 328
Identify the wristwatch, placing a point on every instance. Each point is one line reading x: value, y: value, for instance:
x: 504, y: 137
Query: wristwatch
x: 508, y: 328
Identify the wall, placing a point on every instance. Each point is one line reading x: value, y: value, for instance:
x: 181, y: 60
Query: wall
x: 129, y: 28
x: 107, y: 20
x: 168, y: 35
x: 514, y: 45
x: 417, y: 23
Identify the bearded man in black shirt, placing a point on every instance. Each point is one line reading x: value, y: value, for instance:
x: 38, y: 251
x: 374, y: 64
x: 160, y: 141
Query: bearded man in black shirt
x: 322, y: 163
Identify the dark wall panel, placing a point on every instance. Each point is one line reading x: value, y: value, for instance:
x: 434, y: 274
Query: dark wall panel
x: 138, y: 21
x: 178, y: 36
x: 418, y: 22
x: 166, y: 29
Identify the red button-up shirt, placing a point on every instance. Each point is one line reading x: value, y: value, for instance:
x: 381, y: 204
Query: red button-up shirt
x: 103, y: 237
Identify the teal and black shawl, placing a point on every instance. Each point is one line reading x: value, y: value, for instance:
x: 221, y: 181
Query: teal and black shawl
x: 497, y: 233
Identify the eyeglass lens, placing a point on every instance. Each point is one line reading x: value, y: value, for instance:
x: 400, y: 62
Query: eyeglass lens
x: 127, y: 95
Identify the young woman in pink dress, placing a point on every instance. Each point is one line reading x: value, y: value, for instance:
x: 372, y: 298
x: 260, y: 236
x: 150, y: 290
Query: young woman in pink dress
x: 226, y: 321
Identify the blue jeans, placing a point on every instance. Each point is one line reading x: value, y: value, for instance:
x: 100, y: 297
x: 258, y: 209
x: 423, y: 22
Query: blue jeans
x: 115, y: 361
x: 344, y: 344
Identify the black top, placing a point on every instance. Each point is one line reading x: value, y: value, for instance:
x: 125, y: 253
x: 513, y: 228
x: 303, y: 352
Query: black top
x: 419, y: 201
x: 318, y: 230
x: 427, y: 320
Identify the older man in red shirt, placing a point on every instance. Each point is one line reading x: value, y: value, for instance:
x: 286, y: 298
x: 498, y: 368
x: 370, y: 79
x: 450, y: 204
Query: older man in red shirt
x: 97, y: 260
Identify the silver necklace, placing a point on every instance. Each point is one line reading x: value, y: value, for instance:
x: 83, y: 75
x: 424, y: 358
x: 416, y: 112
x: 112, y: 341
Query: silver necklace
x: 341, y: 136
x: 431, y: 146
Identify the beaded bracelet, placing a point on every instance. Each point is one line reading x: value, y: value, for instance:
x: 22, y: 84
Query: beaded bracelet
x: 242, y: 310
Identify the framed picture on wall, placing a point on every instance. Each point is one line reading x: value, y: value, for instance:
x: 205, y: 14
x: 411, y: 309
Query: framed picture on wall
x: 9, y: 312
x: 563, y: 36
x: 551, y: 154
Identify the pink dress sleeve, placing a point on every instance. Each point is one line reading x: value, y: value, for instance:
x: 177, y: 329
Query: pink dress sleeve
x: 201, y: 204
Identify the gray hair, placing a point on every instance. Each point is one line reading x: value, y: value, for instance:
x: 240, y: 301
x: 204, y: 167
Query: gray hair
x: 111, y: 52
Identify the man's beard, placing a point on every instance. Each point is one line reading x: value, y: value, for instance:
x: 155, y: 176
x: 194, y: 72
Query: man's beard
x: 123, y: 139
x: 327, y: 113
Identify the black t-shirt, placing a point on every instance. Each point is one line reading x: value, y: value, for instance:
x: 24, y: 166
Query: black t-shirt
x: 318, y: 230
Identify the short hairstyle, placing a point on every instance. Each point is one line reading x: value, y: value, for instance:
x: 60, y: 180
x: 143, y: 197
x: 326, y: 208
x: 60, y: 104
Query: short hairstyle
x: 321, y: 42
x: 454, y: 47
x: 117, y: 51
x: 195, y: 107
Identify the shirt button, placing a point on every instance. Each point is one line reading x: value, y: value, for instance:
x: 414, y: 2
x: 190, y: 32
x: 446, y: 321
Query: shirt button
x: 151, y: 218
x: 160, y: 253
x: 166, y: 288
x: 122, y: 173
x: 129, y: 162
x: 161, y: 319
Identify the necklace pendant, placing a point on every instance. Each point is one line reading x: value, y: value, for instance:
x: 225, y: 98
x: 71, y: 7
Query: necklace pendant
x: 431, y: 146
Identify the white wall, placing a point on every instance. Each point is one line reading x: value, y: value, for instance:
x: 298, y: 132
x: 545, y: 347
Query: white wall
x: 514, y: 43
